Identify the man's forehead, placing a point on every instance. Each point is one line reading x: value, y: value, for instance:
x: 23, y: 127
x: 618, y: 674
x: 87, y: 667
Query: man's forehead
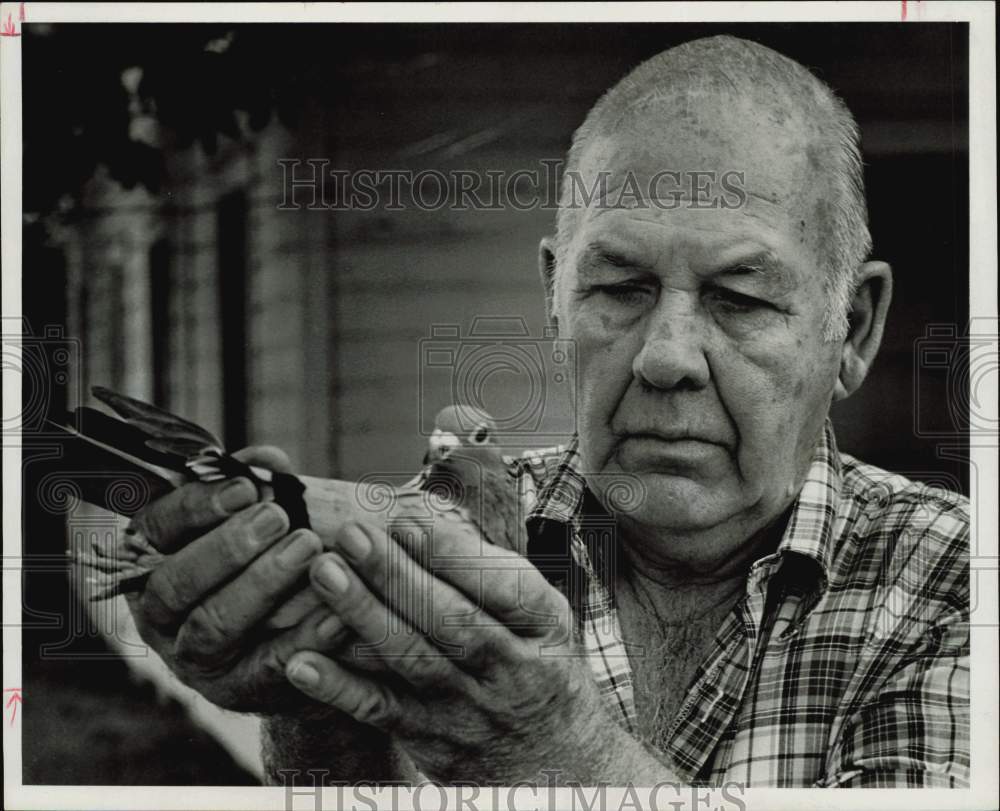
x: 718, y: 118
x: 644, y: 244
x: 628, y: 242
x: 684, y: 169
x: 646, y: 190
x: 676, y: 137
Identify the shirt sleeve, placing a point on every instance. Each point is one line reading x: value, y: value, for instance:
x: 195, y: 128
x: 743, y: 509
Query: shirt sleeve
x: 914, y: 731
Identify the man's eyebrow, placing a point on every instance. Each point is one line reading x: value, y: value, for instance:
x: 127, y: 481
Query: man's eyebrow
x: 763, y: 263
x: 596, y: 253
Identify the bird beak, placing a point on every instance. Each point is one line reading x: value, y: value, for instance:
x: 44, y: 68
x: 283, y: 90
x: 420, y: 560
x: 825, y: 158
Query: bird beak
x: 440, y: 446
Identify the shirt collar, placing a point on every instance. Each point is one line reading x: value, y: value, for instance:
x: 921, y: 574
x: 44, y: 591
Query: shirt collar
x: 808, y: 534
x: 562, y: 495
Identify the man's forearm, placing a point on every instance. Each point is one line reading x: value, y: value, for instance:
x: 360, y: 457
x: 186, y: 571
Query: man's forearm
x: 597, y: 751
x: 301, y: 749
x: 331, y: 745
x: 627, y: 760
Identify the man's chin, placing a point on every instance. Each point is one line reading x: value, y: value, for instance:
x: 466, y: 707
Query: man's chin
x: 668, y: 501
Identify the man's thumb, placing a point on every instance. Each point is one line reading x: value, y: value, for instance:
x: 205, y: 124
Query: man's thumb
x: 265, y: 456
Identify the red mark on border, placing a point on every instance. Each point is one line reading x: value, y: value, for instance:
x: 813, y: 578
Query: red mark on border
x: 7, y: 28
x: 13, y: 701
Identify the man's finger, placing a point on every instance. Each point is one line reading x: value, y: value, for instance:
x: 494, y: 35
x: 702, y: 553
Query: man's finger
x: 185, y: 578
x: 291, y: 612
x: 325, y: 632
x: 501, y: 582
x: 183, y: 514
x: 258, y: 679
x: 265, y: 456
x: 217, y: 628
x: 456, y: 626
x: 363, y: 698
x: 382, y: 634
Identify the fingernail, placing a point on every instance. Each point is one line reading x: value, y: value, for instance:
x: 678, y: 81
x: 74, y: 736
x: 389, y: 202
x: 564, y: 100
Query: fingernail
x: 330, y: 627
x: 300, y: 549
x: 354, y: 542
x: 237, y: 494
x: 303, y: 674
x: 332, y: 576
x: 268, y: 520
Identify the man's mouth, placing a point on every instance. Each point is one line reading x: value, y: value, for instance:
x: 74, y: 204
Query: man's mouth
x: 666, y: 450
x: 668, y: 435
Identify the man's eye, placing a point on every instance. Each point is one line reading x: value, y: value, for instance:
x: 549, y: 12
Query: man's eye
x: 628, y: 294
x: 737, y: 302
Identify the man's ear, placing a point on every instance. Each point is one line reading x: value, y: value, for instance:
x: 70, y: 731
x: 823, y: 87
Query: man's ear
x: 547, y: 270
x: 866, y: 321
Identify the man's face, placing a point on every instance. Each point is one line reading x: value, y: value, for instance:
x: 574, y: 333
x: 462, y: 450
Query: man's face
x: 699, y: 331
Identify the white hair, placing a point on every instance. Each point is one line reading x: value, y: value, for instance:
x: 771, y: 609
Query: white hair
x: 730, y: 65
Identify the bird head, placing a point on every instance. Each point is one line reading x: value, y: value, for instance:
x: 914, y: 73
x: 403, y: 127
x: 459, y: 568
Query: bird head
x: 460, y: 430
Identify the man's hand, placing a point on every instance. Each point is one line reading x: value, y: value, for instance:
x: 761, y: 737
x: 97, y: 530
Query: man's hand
x: 230, y: 564
x: 486, y: 682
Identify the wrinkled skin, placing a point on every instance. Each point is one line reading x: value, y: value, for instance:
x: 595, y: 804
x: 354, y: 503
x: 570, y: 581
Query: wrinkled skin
x: 702, y: 366
x: 481, y: 655
x: 201, y: 609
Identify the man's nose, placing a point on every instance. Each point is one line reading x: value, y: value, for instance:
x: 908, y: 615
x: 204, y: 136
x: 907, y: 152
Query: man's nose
x: 673, y: 350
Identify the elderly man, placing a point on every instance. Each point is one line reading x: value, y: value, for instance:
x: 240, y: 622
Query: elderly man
x: 768, y: 611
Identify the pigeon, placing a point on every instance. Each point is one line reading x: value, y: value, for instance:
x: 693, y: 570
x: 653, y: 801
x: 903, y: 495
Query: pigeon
x: 464, y: 478
x: 464, y: 463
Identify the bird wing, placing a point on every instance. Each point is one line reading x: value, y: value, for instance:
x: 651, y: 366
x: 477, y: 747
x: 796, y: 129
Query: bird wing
x: 171, y: 434
x: 500, y: 512
x: 158, y: 445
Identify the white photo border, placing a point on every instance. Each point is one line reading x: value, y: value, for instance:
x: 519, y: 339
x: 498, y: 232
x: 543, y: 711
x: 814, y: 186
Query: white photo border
x: 982, y: 304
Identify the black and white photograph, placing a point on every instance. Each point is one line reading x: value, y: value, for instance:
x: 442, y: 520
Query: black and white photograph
x: 582, y: 406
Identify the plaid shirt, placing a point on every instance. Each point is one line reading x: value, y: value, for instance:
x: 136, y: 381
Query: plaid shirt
x: 845, y: 663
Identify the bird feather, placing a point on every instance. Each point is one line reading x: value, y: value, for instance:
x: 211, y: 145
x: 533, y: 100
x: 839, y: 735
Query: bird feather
x: 175, y: 434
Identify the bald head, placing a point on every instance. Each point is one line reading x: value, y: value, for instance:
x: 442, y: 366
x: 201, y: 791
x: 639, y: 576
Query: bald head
x: 734, y: 95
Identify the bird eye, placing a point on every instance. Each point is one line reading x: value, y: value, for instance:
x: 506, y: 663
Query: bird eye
x: 480, y: 436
